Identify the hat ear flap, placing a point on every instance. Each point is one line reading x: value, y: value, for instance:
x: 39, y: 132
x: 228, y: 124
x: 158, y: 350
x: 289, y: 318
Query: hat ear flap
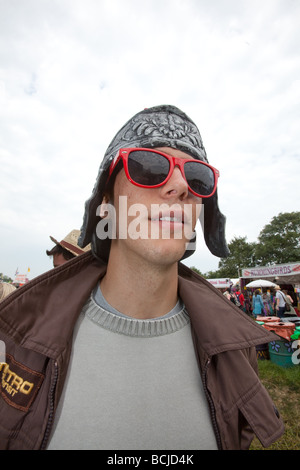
x: 214, y: 228
x: 213, y: 225
x: 100, y: 248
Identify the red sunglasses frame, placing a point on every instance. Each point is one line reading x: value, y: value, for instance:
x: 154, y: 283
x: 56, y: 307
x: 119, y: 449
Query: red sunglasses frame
x: 174, y: 161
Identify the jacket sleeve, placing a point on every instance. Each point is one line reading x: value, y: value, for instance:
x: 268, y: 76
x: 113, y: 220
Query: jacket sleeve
x: 247, y: 434
x: 272, y: 427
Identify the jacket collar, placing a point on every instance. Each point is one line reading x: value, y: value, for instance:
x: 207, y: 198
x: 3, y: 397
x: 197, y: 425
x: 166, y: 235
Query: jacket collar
x: 219, y: 325
x: 42, y: 314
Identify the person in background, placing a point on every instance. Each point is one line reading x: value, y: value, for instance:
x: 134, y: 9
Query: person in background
x: 257, y: 304
x: 6, y: 289
x: 273, y: 300
x: 227, y: 293
x: 247, y: 304
x: 266, y: 298
x: 240, y: 297
x: 280, y: 302
x: 290, y: 301
x: 230, y: 294
x: 66, y: 249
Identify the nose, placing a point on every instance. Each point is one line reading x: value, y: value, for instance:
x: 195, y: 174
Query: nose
x: 176, y: 186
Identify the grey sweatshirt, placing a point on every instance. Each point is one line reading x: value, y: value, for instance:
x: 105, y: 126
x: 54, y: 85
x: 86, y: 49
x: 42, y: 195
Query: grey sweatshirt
x: 132, y: 384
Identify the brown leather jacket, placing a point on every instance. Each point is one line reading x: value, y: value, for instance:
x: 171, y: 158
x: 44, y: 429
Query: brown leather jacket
x: 36, y: 325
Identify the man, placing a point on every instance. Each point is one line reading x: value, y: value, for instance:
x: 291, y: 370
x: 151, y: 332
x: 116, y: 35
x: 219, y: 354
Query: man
x: 280, y: 302
x: 66, y: 249
x: 241, y: 298
x: 137, y: 351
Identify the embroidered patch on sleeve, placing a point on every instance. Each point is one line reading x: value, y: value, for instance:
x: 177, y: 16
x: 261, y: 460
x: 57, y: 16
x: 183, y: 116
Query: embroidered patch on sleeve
x: 19, y: 384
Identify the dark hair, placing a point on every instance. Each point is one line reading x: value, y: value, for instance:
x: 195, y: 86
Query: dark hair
x: 59, y: 250
x: 109, y: 188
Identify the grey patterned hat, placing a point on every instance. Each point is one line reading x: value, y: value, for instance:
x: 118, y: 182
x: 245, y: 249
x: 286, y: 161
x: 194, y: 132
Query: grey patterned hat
x: 160, y: 126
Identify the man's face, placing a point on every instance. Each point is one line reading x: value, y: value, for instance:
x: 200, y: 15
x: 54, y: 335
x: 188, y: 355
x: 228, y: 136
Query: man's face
x: 159, y: 221
x: 58, y: 260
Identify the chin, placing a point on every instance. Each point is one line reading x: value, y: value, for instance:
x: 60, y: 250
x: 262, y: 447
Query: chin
x: 166, y: 252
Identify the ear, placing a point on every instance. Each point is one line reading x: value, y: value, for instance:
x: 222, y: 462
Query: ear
x: 103, y: 211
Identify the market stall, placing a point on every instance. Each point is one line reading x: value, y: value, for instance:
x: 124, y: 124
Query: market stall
x: 223, y: 283
x: 287, y: 276
x: 288, y: 273
x: 20, y: 280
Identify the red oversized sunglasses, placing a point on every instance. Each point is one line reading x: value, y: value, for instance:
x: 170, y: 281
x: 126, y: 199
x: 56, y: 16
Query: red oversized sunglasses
x: 148, y: 168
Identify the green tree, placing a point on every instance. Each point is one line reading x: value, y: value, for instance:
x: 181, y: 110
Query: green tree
x: 212, y: 275
x: 242, y: 254
x: 279, y: 241
x: 5, y: 278
x: 197, y: 271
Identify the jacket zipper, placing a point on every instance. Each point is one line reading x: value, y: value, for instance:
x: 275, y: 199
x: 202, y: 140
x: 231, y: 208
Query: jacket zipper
x: 51, y: 413
x: 211, y: 405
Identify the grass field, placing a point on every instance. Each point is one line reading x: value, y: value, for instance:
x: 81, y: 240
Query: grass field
x: 283, y: 385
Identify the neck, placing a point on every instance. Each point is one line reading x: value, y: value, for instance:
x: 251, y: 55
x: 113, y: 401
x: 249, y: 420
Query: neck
x: 140, y: 290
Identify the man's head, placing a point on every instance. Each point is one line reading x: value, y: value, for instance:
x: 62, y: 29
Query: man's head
x: 66, y: 249
x: 156, y: 212
x: 155, y: 128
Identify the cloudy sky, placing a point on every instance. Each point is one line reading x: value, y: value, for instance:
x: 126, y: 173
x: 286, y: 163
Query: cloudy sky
x: 72, y: 72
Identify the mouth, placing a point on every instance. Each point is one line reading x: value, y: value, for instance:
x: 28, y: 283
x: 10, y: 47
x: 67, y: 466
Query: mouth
x: 165, y: 218
x: 170, y: 223
x: 171, y: 217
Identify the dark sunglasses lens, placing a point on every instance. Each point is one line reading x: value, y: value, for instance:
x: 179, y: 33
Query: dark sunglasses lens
x: 200, y: 178
x: 147, y: 168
